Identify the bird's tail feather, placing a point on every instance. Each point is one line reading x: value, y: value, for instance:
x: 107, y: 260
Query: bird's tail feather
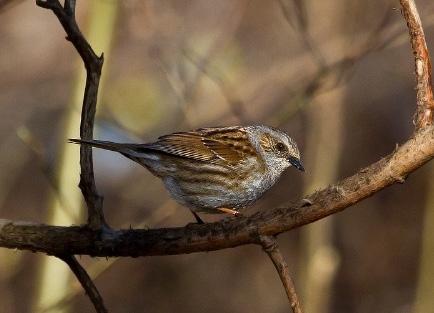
x: 107, y: 145
x: 139, y: 153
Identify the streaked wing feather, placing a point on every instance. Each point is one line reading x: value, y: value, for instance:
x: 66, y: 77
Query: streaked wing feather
x: 188, y: 145
x: 229, y: 145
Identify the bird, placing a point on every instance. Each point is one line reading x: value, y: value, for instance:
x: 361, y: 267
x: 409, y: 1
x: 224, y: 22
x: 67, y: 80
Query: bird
x: 214, y: 169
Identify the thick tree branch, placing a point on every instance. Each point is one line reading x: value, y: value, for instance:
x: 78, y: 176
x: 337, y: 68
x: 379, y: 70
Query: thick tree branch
x: 270, y: 246
x: 93, y: 65
x: 231, y: 233
x: 425, y: 101
x: 86, y: 282
x: 228, y: 233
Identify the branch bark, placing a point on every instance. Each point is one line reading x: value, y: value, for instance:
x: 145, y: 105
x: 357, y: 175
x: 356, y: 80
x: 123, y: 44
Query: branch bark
x: 93, y: 65
x: 270, y: 246
x: 228, y: 233
x: 86, y: 282
x: 425, y: 101
x: 88, y: 239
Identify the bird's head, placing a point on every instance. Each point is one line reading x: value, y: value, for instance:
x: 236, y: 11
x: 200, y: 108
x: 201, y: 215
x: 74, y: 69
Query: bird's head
x: 278, y: 149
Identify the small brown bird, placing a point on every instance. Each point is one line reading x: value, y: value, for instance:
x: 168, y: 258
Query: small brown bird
x: 214, y: 170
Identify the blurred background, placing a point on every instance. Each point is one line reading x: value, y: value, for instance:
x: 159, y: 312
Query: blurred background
x: 337, y: 75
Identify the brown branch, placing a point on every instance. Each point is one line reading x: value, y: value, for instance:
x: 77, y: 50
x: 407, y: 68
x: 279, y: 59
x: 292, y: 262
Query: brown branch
x: 93, y: 65
x: 270, y: 246
x: 67, y: 241
x: 425, y: 101
x: 228, y: 233
x: 86, y: 282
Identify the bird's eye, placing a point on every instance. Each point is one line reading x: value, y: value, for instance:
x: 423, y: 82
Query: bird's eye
x: 280, y: 147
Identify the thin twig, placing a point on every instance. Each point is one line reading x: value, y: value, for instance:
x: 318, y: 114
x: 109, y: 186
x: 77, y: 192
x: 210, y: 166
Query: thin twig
x: 86, y: 282
x: 296, y: 16
x: 270, y: 246
x: 93, y: 65
x: 327, y: 76
x: 425, y: 101
x: 40, y: 158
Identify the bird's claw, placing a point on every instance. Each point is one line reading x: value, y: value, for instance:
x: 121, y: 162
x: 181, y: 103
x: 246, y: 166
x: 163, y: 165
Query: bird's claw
x: 306, y: 202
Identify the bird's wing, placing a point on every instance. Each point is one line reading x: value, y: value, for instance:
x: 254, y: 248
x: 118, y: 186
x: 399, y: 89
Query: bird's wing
x: 221, y: 145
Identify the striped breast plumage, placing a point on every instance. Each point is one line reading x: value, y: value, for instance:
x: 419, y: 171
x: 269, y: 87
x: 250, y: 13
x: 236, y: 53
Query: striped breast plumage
x: 209, y: 168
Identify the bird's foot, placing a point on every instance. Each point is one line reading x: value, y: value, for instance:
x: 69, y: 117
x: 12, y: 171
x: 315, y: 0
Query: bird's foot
x: 306, y: 202
x: 230, y: 211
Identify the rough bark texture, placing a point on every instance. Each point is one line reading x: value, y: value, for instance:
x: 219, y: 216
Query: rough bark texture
x: 228, y: 233
x: 93, y: 65
x: 425, y: 101
x: 86, y: 282
x: 97, y: 240
x: 270, y: 246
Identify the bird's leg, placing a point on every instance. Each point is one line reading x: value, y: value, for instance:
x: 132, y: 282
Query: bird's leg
x: 229, y: 211
x: 197, y: 217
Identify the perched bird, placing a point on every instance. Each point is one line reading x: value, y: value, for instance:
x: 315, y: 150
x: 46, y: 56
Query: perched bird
x: 214, y: 170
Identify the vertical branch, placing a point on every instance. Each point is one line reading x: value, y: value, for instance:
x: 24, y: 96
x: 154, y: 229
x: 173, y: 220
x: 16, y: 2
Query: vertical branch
x: 93, y: 65
x: 270, y: 246
x: 425, y: 101
x: 423, y: 118
x: 86, y: 282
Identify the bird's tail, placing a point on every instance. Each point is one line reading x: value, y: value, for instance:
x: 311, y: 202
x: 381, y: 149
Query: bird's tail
x: 123, y: 148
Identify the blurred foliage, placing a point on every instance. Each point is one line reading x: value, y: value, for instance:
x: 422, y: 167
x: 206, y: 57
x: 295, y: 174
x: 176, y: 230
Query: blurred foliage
x: 136, y: 104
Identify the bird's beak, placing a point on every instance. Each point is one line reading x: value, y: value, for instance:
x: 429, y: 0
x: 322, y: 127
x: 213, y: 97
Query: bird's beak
x: 296, y: 163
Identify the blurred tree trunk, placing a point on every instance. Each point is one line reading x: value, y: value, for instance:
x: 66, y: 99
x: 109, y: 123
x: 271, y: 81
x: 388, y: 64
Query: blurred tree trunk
x: 424, y: 302
x: 66, y: 208
x: 319, y: 258
x: 14, y: 156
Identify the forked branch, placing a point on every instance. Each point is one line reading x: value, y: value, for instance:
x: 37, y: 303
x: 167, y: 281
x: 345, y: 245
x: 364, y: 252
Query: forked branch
x: 93, y: 65
x: 64, y: 241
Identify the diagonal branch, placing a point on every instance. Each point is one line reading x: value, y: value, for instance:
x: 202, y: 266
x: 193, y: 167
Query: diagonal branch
x: 425, y: 101
x: 228, y: 233
x: 56, y: 240
x: 270, y: 246
x: 93, y: 65
x: 86, y: 282
x: 64, y: 242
